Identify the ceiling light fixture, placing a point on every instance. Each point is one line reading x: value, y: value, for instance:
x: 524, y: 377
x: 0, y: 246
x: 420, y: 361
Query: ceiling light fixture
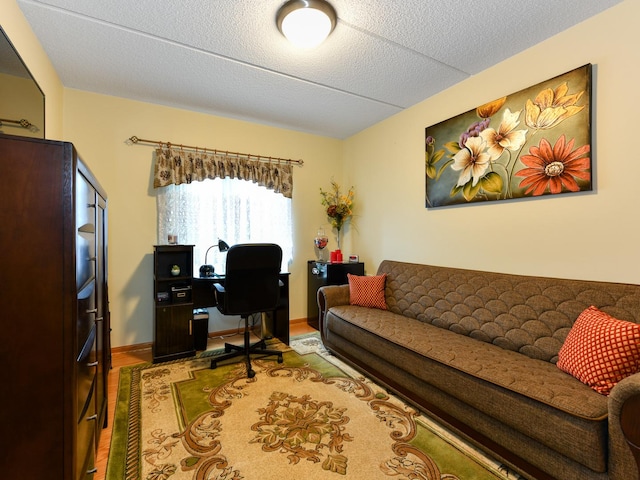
x: 306, y: 23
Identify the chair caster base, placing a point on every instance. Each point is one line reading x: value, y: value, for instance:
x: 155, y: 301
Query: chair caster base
x: 246, y: 350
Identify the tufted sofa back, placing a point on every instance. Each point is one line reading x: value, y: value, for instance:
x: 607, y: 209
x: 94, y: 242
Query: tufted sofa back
x: 530, y: 315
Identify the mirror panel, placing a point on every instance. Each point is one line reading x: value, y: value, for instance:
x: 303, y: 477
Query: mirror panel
x: 21, y: 99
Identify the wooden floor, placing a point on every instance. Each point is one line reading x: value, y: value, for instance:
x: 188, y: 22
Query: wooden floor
x: 125, y: 357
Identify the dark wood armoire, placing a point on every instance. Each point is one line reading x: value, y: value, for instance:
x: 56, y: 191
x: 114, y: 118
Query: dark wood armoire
x: 54, y: 340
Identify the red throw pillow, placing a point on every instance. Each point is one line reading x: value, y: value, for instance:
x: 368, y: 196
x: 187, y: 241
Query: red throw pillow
x: 600, y: 350
x: 367, y: 291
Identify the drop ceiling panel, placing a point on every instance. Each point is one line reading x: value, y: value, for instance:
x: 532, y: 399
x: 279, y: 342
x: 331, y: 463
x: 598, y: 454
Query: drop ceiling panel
x: 229, y: 88
x: 371, y: 67
x: 226, y: 57
x: 470, y: 35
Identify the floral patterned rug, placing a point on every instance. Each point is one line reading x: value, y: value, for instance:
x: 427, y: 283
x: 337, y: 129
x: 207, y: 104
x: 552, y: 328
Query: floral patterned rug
x: 311, y: 417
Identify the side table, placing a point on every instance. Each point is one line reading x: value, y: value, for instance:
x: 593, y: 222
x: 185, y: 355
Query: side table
x: 320, y: 274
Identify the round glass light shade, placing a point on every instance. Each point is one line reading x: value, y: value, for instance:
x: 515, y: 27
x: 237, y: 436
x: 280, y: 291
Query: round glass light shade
x: 306, y: 24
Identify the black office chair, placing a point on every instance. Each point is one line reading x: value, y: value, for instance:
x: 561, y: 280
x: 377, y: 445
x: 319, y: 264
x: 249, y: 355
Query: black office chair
x: 251, y: 285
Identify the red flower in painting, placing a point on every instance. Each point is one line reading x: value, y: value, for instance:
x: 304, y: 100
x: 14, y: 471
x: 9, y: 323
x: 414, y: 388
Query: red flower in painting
x: 554, y: 168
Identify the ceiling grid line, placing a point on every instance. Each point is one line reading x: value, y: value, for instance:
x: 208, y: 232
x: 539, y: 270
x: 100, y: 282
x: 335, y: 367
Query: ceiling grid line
x: 227, y: 58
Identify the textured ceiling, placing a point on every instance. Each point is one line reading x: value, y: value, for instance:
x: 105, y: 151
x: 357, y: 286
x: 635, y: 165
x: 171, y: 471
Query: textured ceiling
x: 226, y: 57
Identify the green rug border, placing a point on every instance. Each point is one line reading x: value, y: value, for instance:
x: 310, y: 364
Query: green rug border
x: 429, y: 426
x: 120, y: 444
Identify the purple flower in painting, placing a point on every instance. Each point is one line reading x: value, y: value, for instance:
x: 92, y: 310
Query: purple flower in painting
x: 473, y: 130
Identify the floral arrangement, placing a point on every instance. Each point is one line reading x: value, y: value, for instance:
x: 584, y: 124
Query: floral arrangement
x: 338, y: 206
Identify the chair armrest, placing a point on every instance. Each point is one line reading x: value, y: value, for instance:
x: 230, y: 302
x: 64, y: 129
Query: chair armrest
x: 624, y: 428
x: 330, y: 296
x: 219, y: 291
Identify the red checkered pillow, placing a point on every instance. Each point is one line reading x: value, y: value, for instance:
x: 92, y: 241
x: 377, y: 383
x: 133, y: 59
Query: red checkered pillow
x: 600, y: 350
x: 367, y: 291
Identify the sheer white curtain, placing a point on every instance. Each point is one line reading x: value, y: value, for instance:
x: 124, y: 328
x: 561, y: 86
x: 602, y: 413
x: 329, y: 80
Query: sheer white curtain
x: 236, y: 211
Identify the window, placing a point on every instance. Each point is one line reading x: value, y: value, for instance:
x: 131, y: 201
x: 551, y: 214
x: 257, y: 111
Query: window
x: 236, y: 211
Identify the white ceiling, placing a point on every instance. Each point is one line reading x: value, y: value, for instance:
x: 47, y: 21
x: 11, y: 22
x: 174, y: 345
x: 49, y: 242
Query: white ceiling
x: 227, y: 58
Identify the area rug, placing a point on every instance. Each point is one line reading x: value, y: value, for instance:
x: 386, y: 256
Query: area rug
x: 311, y: 417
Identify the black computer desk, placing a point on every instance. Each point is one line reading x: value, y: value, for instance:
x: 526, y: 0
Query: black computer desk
x: 276, y: 322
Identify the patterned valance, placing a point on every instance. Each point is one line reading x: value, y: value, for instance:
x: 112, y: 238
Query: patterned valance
x: 176, y: 166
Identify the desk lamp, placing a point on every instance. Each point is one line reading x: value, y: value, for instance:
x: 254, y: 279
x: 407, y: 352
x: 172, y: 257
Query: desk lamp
x: 208, y: 270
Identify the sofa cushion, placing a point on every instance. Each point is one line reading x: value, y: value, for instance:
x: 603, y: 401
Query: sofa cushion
x: 526, y: 314
x: 539, y: 380
x: 531, y: 396
x: 600, y: 350
x: 367, y: 291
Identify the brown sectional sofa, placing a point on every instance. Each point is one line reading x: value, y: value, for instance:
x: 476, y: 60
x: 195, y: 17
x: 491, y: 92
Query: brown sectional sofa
x: 478, y: 350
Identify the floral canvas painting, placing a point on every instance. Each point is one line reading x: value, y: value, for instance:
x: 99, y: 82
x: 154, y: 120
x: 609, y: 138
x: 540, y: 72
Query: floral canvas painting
x: 528, y: 144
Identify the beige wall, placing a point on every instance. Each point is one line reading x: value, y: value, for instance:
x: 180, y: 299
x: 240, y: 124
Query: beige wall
x: 590, y: 236
x: 25, y: 42
x: 99, y: 125
x: 20, y: 99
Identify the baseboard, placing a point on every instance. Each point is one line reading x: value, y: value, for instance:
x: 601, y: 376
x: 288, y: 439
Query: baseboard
x: 221, y: 333
x: 132, y: 348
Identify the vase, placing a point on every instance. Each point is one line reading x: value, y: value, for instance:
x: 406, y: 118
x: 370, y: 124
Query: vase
x: 338, y: 239
x: 320, y: 242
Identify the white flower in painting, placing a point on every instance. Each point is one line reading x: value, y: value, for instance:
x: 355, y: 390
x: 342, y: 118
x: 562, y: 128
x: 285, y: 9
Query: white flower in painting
x: 506, y: 137
x: 472, y: 161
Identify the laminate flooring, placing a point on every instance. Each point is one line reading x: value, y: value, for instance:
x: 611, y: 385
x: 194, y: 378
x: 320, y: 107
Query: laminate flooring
x: 124, y: 357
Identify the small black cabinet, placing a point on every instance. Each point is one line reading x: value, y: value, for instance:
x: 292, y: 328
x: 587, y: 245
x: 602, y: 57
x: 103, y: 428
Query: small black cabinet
x: 173, y: 322
x: 320, y: 274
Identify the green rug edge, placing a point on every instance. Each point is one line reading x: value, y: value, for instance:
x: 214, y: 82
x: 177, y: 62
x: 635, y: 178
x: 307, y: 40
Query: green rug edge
x: 119, y: 438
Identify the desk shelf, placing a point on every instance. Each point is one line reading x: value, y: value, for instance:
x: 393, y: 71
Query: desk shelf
x: 172, y: 292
